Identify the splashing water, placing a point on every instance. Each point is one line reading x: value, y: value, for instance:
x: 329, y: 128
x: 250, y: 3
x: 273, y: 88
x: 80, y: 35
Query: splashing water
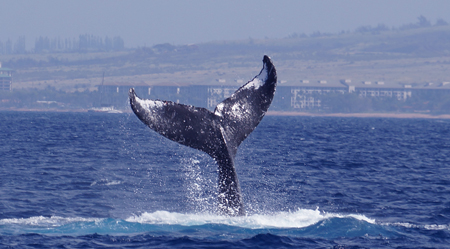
x: 200, y: 185
x: 298, y: 219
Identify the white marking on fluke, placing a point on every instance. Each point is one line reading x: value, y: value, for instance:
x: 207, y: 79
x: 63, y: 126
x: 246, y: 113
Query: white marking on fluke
x: 217, y: 133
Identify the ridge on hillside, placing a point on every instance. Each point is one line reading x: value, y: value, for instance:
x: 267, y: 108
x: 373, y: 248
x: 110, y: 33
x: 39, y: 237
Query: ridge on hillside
x: 407, y: 56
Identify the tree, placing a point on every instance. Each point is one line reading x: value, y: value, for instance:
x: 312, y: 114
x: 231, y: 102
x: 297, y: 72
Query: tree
x: 441, y: 22
x: 8, y: 47
x: 19, y: 46
x: 423, y: 22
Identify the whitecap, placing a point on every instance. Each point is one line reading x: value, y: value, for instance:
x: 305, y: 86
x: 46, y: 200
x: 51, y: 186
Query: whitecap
x: 46, y: 221
x: 427, y: 227
x: 297, y: 219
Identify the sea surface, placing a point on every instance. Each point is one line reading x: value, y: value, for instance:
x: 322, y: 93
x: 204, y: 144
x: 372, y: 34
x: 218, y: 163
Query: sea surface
x: 94, y: 180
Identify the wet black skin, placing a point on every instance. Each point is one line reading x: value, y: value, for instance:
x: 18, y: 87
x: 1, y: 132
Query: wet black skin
x: 217, y: 133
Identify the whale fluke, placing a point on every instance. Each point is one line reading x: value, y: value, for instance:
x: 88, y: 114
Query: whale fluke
x: 217, y: 133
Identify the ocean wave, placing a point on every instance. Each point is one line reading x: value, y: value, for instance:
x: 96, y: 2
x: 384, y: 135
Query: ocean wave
x: 300, y: 220
x: 297, y: 219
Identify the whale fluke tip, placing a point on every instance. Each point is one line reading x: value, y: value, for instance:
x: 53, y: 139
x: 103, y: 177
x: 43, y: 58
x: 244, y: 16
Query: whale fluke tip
x: 131, y: 92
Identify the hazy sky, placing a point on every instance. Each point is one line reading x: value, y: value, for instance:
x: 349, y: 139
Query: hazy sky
x: 144, y: 22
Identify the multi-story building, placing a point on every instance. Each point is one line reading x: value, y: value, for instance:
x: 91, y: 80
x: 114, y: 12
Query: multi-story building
x: 304, y: 95
x: 5, y: 78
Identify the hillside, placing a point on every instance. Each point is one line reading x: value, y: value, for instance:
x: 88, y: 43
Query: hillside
x: 402, y: 56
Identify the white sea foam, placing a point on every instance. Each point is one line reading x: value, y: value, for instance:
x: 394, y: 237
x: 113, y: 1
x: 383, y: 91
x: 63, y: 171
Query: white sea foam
x: 437, y: 227
x: 427, y: 227
x: 106, y: 182
x: 297, y: 219
x: 113, y: 183
x: 46, y: 221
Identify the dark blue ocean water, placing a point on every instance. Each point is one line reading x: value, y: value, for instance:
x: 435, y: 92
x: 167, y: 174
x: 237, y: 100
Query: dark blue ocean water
x: 76, y: 180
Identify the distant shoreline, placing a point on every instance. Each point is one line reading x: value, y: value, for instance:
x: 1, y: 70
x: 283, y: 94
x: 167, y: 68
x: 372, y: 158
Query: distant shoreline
x: 361, y: 115
x: 276, y: 113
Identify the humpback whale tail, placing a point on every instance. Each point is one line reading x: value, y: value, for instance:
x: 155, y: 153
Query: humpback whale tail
x: 217, y: 133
